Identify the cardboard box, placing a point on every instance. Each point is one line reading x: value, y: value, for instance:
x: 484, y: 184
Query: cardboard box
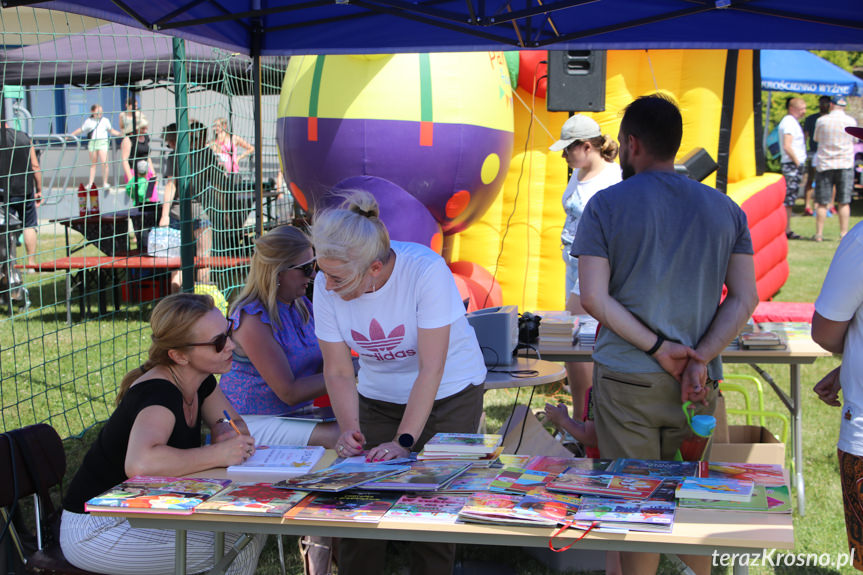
x: 749, y: 444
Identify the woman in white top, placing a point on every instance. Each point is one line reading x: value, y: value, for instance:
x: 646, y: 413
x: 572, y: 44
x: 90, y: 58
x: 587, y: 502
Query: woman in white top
x: 421, y: 370
x: 590, y: 155
x: 97, y: 128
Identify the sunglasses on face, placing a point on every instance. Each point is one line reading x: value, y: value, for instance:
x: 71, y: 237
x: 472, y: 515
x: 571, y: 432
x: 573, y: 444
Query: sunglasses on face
x: 220, y: 340
x: 308, y: 268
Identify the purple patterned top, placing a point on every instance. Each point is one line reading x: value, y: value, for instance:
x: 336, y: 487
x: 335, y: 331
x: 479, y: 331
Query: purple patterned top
x: 244, y: 386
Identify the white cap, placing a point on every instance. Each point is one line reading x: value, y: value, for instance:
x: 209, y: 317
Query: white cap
x: 577, y: 127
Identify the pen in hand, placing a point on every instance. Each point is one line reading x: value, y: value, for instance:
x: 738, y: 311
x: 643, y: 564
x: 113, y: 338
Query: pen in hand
x: 229, y: 420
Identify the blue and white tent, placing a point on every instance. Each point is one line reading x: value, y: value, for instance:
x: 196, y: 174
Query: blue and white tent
x: 805, y: 73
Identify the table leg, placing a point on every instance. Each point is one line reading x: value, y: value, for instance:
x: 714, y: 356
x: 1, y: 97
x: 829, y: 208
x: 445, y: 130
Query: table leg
x: 180, y: 552
x: 797, y: 439
x: 219, y: 544
x: 739, y: 569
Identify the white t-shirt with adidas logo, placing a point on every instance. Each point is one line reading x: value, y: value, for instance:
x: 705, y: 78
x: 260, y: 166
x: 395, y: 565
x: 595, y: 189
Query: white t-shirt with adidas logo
x: 382, y: 326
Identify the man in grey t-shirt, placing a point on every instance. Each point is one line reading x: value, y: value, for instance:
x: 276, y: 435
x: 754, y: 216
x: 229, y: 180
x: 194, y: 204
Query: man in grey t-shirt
x: 654, y: 251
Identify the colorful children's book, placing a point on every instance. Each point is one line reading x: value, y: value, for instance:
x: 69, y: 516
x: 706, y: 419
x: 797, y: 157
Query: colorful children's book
x: 760, y: 473
x: 632, y: 515
x: 427, y: 508
x: 486, y: 460
x: 152, y: 494
x: 512, y: 460
x: 544, y: 510
x: 656, y: 468
x: 462, y: 443
x: 279, y: 460
x: 715, y: 488
x: 473, y: 480
x: 758, y: 502
x: 252, y: 499
x: 341, y: 477
x: 362, y: 507
x: 778, y: 499
x: 518, y: 481
x: 667, y: 490
x: 605, y: 485
x: 424, y: 476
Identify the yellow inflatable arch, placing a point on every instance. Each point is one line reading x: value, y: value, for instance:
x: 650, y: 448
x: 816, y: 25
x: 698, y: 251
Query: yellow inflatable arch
x: 518, y: 238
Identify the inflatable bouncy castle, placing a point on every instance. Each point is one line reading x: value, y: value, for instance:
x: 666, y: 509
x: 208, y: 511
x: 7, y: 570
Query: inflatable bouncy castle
x: 455, y: 148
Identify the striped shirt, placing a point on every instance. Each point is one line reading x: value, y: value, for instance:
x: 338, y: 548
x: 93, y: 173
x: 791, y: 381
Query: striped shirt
x: 835, y: 146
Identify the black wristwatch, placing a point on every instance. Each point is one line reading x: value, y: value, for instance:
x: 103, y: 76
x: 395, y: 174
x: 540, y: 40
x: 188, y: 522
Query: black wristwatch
x: 406, y: 440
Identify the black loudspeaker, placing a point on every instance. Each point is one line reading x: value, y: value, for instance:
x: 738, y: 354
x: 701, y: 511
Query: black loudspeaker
x: 576, y: 81
x: 697, y: 164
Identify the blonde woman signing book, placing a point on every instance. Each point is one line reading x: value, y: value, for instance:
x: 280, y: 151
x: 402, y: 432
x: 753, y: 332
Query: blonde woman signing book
x: 421, y: 369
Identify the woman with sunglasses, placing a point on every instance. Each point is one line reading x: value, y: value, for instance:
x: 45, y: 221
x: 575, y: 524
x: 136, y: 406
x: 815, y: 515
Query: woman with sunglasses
x: 277, y: 362
x: 421, y: 370
x: 156, y: 430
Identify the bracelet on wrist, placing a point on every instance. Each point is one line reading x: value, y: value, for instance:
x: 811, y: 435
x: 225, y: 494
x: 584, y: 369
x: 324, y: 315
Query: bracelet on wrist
x: 659, y: 341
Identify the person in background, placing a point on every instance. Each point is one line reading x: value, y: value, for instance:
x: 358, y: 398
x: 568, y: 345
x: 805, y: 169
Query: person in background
x: 97, y: 129
x: 590, y: 155
x: 834, y: 166
x: 170, y: 211
x: 131, y: 117
x: 156, y: 430
x: 837, y: 326
x: 23, y: 175
x: 793, y: 146
x: 421, y: 370
x: 138, y: 169
x: 657, y: 291
x: 809, y: 133
x: 277, y: 365
x: 225, y: 145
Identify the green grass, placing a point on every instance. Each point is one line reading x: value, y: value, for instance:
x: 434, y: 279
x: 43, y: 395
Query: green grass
x: 99, y: 351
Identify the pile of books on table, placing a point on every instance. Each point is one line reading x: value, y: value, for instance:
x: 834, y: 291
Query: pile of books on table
x: 475, y: 447
x: 586, y: 335
x: 611, y: 495
x: 557, y: 330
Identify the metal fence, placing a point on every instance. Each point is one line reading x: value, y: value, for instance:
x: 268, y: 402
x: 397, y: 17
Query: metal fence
x: 76, y: 279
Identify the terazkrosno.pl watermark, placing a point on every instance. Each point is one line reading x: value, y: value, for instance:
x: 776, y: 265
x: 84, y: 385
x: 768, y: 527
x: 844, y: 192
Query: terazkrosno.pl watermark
x: 774, y: 558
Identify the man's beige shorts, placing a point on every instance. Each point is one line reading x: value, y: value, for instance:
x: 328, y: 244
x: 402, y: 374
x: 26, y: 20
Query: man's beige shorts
x: 640, y: 415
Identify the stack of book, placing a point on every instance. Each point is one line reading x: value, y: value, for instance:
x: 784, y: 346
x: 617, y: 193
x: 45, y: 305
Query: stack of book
x: 586, y: 334
x: 475, y: 447
x: 557, y: 330
x: 760, y: 340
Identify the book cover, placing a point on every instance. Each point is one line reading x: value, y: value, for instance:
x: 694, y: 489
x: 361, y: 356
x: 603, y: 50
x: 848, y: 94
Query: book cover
x: 543, y: 510
x: 152, y: 494
x: 341, y: 477
x: 490, y: 508
x: 252, y: 499
x: 605, y: 485
x: 657, y: 468
x: 760, y: 473
x: 758, y: 502
x: 655, y: 516
x: 472, y: 480
x: 667, y: 490
x: 778, y: 499
x: 457, y: 443
x: 512, y: 460
x: 715, y: 488
x: 519, y: 481
x: 549, y: 464
x: 361, y: 507
x: 280, y: 460
x: 426, y: 508
x: 428, y: 476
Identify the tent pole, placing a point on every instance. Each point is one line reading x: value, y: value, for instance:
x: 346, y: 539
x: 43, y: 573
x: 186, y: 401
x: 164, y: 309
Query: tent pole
x: 257, y: 36
x: 187, y: 246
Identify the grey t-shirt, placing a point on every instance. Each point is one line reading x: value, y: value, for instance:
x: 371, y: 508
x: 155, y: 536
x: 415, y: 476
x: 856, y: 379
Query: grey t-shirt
x: 668, y: 240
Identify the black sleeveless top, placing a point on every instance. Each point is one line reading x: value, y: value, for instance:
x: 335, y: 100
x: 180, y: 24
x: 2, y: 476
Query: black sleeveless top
x: 140, y: 150
x: 104, y: 465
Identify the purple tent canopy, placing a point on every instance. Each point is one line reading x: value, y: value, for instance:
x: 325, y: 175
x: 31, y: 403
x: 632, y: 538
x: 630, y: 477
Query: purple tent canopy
x: 120, y: 55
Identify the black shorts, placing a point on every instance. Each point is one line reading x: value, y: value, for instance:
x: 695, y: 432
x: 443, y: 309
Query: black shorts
x: 25, y: 209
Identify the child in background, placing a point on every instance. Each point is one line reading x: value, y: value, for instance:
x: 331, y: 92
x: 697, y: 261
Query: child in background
x: 97, y: 128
